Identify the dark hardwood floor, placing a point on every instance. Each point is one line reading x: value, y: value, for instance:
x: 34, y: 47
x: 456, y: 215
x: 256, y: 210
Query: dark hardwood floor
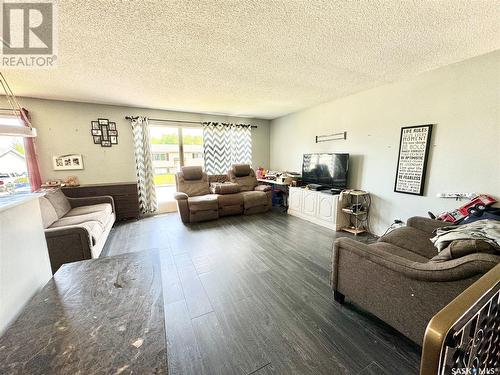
x: 250, y: 295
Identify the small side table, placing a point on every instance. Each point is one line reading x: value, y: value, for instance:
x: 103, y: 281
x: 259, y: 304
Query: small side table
x: 356, y: 208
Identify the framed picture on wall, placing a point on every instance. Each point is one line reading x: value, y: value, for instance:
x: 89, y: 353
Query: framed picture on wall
x: 104, y: 132
x: 413, y: 154
x: 67, y: 162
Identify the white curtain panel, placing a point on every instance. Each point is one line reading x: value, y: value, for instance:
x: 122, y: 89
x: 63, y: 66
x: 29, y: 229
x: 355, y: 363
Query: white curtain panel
x: 224, y: 145
x: 144, y: 165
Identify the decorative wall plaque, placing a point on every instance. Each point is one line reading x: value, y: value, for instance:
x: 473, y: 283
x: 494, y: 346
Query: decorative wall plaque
x: 412, y: 159
x: 104, y: 132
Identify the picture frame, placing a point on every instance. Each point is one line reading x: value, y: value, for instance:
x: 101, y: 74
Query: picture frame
x: 67, y: 162
x: 413, y: 155
x: 104, y: 132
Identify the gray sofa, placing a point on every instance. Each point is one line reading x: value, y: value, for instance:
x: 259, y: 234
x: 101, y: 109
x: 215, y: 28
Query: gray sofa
x: 75, y: 228
x: 402, y: 279
x: 237, y: 193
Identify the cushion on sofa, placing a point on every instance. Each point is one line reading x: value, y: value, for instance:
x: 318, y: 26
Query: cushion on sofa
x: 411, y: 239
x: 49, y: 214
x: 241, y: 170
x: 59, y: 201
x: 225, y: 188
x: 195, y: 188
x: 254, y: 198
x: 83, y: 210
x: 102, y: 217
x: 230, y: 200
x: 385, y: 247
x: 459, y: 248
x: 203, y: 203
x: 192, y: 173
x: 246, y: 183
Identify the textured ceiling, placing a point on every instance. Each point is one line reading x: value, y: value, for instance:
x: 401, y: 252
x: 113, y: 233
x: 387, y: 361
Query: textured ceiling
x: 252, y: 58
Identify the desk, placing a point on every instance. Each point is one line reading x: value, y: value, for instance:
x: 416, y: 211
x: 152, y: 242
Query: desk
x: 283, y: 187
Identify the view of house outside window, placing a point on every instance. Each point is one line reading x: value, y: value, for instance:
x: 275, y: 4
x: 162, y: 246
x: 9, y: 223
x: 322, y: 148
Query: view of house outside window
x: 165, y: 149
x: 169, y: 155
x: 13, y: 168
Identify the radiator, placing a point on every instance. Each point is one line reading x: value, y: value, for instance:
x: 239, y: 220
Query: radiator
x: 464, y: 337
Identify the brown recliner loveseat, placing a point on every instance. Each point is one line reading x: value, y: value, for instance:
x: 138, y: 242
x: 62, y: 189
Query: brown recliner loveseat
x: 402, y: 279
x: 197, y: 200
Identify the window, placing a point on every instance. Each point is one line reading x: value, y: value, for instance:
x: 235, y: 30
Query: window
x: 13, y: 168
x: 160, y: 157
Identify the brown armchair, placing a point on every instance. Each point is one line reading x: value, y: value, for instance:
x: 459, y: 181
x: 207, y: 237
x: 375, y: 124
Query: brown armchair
x: 257, y: 198
x: 401, y: 279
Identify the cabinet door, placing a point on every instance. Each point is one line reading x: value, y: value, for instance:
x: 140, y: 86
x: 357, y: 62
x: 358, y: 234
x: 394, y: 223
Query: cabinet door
x: 309, y: 200
x: 295, y: 199
x: 326, y: 207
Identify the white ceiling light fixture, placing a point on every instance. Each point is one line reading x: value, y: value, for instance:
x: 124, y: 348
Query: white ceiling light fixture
x: 13, y: 120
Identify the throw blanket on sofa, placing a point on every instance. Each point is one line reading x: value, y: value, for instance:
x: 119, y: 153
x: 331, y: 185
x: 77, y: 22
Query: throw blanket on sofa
x: 486, y: 230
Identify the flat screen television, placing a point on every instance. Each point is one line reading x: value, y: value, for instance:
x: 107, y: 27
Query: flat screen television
x: 326, y: 169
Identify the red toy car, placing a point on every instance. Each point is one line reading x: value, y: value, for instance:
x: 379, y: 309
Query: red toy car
x: 479, y: 203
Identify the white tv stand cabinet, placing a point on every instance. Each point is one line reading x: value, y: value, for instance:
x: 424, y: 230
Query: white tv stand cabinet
x: 315, y: 206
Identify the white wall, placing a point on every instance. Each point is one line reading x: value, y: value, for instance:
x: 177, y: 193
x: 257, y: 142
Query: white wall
x: 64, y: 128
x: 24, y: 259
x: 463, y: 101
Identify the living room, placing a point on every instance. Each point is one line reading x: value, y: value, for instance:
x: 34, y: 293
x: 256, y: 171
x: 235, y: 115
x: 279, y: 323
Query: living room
x: 289, y: 187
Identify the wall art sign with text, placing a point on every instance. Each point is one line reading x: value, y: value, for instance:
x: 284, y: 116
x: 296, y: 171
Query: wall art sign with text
x: 412, y: 159
x: 104, y: 132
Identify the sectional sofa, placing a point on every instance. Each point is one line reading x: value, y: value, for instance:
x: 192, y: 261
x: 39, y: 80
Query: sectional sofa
x: 200, y: 197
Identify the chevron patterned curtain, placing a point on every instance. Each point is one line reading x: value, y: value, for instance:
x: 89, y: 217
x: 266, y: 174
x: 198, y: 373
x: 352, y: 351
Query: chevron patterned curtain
x: 224, y: 145
x: 144, y: 165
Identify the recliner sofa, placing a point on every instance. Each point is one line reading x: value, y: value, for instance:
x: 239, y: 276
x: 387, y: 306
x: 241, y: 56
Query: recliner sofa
x: 198, y: 200
x: 402, y: 279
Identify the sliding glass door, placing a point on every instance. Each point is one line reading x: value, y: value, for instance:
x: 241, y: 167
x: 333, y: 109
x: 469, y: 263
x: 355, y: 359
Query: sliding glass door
x: 173, y: 147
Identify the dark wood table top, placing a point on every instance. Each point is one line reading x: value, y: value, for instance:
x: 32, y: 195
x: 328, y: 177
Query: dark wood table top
x: 101, y: 316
